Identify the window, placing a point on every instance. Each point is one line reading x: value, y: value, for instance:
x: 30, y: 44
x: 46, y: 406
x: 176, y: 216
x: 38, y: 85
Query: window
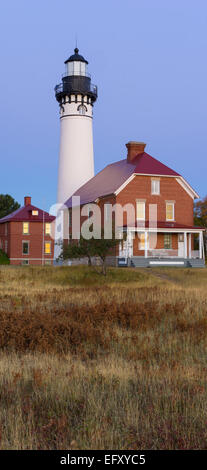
x: 140, y: 210
x: 35, y: 212
x: 47, y: 229
x: 25, y: 262
x: 25, y: 248
x: 141, y: 241
x: 82, y: 109
x: 169, y: 210
x: 167, y: 241
x: 155, y: 186
x: 47, y: 248
x: 26, y: 228
x: 48, y: 262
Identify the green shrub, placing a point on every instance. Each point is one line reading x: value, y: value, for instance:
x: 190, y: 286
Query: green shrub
x: 4, y: 258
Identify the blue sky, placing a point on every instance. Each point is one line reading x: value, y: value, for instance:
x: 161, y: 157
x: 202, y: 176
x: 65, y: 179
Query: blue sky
x: 148, y: 59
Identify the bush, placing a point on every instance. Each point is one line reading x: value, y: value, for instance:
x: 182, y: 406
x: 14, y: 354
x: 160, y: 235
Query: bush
x: 4, y: 258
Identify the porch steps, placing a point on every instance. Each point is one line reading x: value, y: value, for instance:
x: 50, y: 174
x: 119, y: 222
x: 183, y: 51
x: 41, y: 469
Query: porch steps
x: 139, y: 262
x: 196, y: 263
x: 142, y: 262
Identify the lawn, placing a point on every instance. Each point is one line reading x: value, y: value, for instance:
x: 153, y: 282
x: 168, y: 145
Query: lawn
x: 95, y: 362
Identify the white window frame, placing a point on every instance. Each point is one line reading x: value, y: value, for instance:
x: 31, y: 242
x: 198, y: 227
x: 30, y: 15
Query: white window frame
x: 173, y: 205
x: 155, y: 181
x: 35, y: 213
x: 140, y: 202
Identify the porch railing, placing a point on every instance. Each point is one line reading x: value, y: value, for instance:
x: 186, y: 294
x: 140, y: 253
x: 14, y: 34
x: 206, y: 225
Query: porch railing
x: 195, y: 254
x: 162, y: 253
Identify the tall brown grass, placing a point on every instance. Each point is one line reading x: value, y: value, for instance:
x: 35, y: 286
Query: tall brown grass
x: 87, y: 363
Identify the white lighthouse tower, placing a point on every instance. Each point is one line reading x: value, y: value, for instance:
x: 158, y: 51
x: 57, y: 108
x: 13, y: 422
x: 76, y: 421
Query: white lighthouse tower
x: 76, y: 96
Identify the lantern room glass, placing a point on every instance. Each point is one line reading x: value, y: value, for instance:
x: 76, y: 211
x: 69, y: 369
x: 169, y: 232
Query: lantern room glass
x: 76, y: 68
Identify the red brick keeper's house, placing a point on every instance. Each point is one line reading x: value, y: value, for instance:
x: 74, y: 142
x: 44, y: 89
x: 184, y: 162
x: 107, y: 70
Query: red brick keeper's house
x: 145, y: 182
x: 26, y: 235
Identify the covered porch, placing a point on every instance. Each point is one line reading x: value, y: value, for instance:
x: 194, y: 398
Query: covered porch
x: 162, y: 246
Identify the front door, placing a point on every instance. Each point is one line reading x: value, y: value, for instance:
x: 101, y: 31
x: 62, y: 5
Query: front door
x: 181, y: 252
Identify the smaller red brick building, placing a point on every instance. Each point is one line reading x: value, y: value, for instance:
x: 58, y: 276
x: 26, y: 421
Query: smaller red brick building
x: 26, y: 235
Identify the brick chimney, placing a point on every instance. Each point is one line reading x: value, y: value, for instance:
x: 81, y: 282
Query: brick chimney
x: 134, y: 149
x: 27, y: 200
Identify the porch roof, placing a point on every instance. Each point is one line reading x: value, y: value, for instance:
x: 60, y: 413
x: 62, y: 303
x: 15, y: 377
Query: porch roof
x: 163, y: 225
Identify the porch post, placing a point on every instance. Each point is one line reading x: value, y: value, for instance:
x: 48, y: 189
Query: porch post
x: 200, y: 245
x: 145, y: 244
x: 185, y: 245
x: 189, y: 245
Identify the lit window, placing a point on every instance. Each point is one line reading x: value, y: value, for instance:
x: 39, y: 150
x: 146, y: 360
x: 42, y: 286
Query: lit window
x: 169, y: 210
x: 155, y: 186
x: 25, y: 248
x: 140, y: 210
x: 47, y: 248
x: 34, y: 212
x: 167, y: 241
x: 47, y: 229
x: 141, y: 241
x: 25, y: 228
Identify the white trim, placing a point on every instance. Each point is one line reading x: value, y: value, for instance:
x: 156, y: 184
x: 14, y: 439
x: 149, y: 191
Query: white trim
x: 185, y: 244
x: 173, y: 230
x: 124, y: 184
x: 30, y: 259
x: 187, y: 188
x: 189, y: 245
x: 167, y: 262
x: 178, y: 178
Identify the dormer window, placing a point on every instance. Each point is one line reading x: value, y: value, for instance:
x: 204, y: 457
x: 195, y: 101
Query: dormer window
x: 155, y: 186
x: 35, y: 212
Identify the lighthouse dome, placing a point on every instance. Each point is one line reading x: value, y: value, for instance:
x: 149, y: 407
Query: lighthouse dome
x: 76, y: 57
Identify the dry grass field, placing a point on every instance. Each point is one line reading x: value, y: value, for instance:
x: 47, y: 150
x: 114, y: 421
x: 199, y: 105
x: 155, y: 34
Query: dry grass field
x: 93, y: 362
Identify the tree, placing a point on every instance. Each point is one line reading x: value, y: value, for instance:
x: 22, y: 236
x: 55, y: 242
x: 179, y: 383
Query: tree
x: 7, y: 205
x: 200, y: 212
x: 200, y: 217
x: 77, y: 249
x: 98, y: 247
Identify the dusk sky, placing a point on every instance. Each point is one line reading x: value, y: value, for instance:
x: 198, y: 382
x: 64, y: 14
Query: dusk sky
x: 149, y: 61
